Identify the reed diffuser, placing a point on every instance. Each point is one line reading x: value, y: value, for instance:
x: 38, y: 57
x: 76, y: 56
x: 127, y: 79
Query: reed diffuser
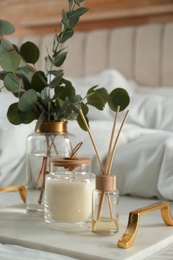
x: 105, y: 200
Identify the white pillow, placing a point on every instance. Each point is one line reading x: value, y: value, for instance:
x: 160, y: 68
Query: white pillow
x: 109, y: 79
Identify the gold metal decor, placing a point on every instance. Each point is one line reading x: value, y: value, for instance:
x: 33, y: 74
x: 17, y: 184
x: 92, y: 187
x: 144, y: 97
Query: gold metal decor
x: 21, y: 189
x: 129, y: 236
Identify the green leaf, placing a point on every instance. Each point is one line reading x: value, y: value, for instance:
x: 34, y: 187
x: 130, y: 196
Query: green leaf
x: 95, y: 99
x: 3, y: 74
x: 66, y: 35
x: 78, y: 2
x: 45, y: 96
x: 75, y: 99
x: 39, y: 81
x: 73, y: 21
x: 28, y: 100
x: 118, y: 97
x: 80, y: 11
x: 80, y: 121
x: 64, y: 18
x: 39, y: 121
x: 5, y: 46
x: 59, y: 60
x: 67, y: 91
x: 24, y: 72
x: 6, y: 28
x: 17, y: 117
x: 10, y: 61
x: 56, y: 80
x: 12, y: 83
x: 30, y: 52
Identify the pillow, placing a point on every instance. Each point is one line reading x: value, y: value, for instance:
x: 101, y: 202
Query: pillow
x: 108, y: 79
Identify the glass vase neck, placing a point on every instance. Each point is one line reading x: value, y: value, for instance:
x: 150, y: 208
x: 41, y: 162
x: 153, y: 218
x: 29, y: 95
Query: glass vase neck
x: 53, y: 127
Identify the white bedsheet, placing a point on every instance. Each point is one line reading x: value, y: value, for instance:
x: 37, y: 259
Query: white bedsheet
x: 143, y: 160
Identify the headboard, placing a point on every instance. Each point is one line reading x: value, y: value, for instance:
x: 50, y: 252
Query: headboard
x: 142, y: 53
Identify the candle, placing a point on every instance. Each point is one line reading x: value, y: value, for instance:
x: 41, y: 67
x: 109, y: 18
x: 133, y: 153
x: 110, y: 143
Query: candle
x: 68, y: 193
x: 70, y: 198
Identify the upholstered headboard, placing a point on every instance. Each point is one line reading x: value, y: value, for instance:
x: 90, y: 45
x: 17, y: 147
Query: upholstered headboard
x: 142, y: 53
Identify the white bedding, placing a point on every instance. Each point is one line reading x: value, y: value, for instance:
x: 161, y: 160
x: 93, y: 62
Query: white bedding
x: 143, y: 159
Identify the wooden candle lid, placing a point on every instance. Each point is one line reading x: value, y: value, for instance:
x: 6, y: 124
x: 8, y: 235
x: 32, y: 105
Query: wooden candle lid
x: 71, y: 163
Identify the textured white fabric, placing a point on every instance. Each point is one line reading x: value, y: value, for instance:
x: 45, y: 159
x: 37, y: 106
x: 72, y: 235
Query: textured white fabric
x: 142, y: 163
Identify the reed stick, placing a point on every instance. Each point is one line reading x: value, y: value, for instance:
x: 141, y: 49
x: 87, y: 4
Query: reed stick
x: 116, y: 141
x: 92, y: 139
x: 111, y: 139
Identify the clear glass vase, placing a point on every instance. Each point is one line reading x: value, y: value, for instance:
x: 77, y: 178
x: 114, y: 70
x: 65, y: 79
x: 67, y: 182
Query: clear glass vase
x: 68, y: 194
x: 105, y: 201
x: 51, y: 140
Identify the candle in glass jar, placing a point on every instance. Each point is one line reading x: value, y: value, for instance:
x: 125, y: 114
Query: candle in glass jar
x: 68, y: 192
x: 70, y: 198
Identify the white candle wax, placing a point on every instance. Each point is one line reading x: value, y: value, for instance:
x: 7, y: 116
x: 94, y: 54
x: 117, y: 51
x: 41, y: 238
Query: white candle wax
x: 69, y: 200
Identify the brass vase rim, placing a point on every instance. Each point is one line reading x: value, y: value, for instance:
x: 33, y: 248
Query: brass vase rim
x: 59, y: 127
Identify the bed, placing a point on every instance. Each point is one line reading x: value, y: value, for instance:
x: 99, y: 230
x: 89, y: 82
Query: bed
x: 139, y: 59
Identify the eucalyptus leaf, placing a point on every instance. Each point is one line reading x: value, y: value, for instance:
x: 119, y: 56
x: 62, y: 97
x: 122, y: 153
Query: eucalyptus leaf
x: 95, y: 99
x: 39, y: 81
x: 45, y: 95
x: 30, y: 52
x: 80, y: 11
x: 118, y: 97
x: 17, y: 117
x: 56, y: 80
x: 14, y: 115
x: 39, y: 121
x: 67, y: 91
x: 64, y: 18
x: 67, y: 34
x: 5, y: 46
x: 28, y: 100
x: 25, y: 72
x: 59, y: 60
x: 80, y: 121
x: 78, y: 2
x: 12, y: 83
x: 3, y: 74
x: 75, y: 99
x: 6, y: 28
x: 73, y: 21
x: 10, y: 61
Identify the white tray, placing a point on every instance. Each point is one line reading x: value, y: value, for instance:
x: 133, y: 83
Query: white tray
x: 19, y: 228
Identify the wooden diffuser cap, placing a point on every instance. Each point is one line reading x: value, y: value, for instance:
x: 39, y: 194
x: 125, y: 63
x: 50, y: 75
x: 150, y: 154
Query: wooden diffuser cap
x: 105, y: 182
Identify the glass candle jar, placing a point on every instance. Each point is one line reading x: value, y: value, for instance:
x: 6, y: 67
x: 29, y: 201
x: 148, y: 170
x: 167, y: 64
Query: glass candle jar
x: 105, y: 205
x: 68, y: 194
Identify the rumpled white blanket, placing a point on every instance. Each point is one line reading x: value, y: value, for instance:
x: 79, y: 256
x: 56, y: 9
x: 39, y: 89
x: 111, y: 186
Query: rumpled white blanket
x: 143, y: 160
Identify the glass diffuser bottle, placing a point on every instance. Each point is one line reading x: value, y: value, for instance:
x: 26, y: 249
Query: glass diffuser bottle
x: 105, y: 205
